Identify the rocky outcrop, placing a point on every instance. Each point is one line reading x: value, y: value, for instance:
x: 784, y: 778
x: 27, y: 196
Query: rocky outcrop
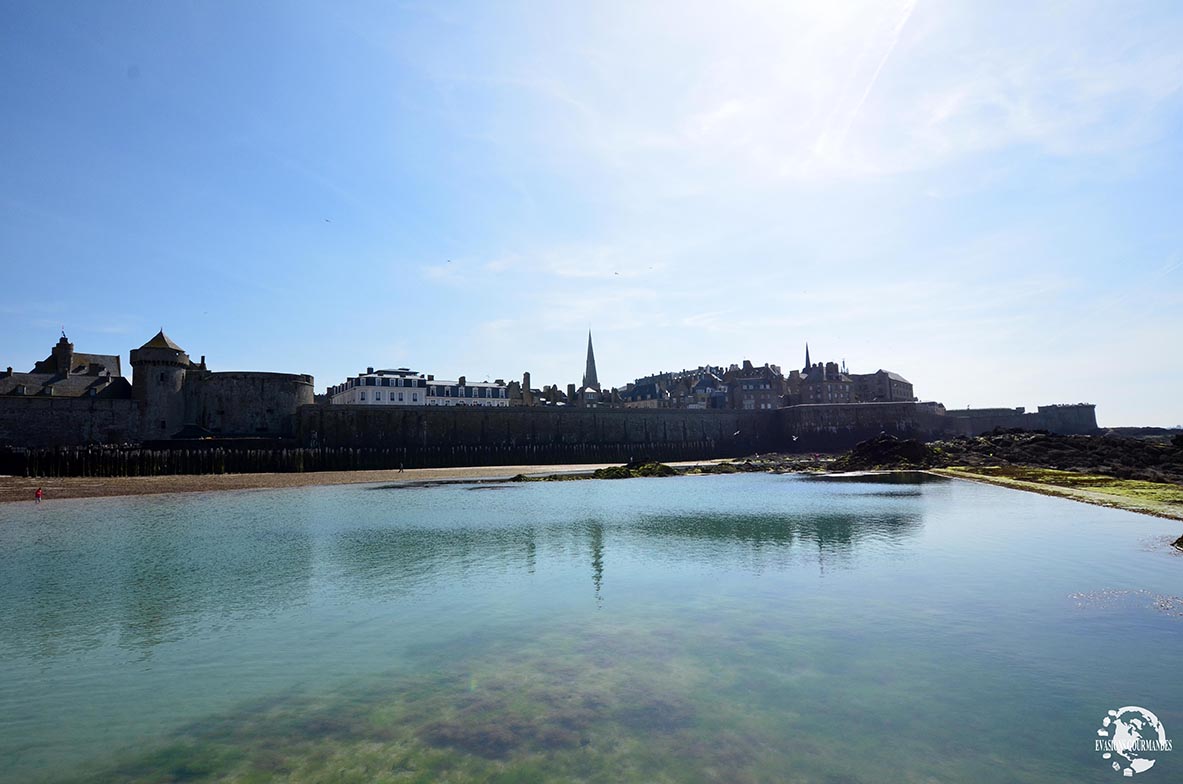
x: 1125, y: 458
x: 888, y: 452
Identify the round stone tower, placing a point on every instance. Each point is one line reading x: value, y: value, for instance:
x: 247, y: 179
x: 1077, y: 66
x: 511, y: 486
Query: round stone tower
x: 158, y: 379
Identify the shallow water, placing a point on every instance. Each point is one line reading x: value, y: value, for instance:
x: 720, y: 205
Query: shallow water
x: 716, y: 628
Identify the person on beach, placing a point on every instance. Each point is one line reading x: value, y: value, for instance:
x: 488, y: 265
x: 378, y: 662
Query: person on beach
x: 37, y: 496
x: 400, y: 468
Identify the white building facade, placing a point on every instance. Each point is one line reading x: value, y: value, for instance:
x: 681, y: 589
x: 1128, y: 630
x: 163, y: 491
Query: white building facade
x: 405, y: 387
x: 400, y: 387
x: 464, y: 393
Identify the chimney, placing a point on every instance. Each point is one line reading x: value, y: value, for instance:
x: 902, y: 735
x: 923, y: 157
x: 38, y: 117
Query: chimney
x: 369, y: 371
x: 462, y: 381
x: 8, y: 373
x: 430, y: 377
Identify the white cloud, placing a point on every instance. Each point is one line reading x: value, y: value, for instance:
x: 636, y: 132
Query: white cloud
x: 681, y: 99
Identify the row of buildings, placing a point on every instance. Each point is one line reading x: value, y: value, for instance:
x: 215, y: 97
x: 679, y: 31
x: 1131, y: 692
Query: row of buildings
x: 740, y: 386
x: 171, y: 396
x: 764, y: 387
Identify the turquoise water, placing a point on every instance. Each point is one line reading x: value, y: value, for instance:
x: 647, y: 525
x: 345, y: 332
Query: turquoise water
x: 716, y: 628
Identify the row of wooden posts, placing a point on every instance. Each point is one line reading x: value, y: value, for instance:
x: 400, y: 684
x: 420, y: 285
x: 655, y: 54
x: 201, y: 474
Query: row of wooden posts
x: 100, y: 461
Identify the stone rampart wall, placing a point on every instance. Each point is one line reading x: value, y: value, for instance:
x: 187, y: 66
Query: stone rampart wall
x: 247, y: 404
x: 828, y: 427
x: 47, y: 421
x: 1067, y: 420
x: 610, y: 431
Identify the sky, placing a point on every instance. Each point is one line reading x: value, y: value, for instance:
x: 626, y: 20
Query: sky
x: 986, y: 198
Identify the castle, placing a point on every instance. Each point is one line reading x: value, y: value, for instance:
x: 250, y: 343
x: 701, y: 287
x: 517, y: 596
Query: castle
x: 77, y: 398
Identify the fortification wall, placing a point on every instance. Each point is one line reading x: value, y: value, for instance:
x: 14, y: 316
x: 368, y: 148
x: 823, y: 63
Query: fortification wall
x: 828, y: 427
x: 509, y: 435
x: 1079, y: 419
x: 835, y: 426
x: 247, y: 404
x: 47, y: 421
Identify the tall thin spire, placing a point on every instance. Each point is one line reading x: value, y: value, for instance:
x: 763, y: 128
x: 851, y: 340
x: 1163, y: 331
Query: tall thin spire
x: 807, y: 365
x: 590, y: 381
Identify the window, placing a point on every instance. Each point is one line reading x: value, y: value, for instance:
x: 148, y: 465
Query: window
x: 363, y: 396
x: 414, y: 397
x: 400, y: 397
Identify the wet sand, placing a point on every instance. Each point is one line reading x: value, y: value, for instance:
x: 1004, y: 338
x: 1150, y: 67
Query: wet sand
x: 15, y: 488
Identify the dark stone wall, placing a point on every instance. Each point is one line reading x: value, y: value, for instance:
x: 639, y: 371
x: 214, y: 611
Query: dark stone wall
x: 48, y: 421
x: 1080, y: 419
x: 828, y: 427
x: 246, y: 403
x: 831, y: 427
x: 527, y: 429
x: 261, y: 404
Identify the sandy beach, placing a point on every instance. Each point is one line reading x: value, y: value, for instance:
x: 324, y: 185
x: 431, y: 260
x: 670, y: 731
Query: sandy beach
x: 16, y: 489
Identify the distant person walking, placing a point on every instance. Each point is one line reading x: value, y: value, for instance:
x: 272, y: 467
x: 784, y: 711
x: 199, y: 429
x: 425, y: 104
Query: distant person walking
x: 37, y: 496
x: 400, y: 468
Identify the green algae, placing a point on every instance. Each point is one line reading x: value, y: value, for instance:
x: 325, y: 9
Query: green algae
x: 619, y: 705
x: 611, y: 472
x: 1156, y: 498
x: 634, y: 471
x: 648, y: 701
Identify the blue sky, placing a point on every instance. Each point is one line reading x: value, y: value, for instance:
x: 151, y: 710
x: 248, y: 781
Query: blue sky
x: 984, y: 197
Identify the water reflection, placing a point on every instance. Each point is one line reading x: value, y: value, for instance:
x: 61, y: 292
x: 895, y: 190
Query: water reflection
x: 179, y: 569
x: 836, y: 532
x: 596, y: 536
x: 632, y: 631
x: 150, y: 581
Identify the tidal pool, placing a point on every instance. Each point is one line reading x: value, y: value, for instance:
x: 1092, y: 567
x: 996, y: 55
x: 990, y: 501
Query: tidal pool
x: 717, y: 628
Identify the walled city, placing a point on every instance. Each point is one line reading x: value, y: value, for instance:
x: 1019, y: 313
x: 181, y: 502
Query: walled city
x: 401, y: 416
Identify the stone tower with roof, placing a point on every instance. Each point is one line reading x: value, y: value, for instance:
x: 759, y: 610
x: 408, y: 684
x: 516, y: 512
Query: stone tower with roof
x: 158, y: 380
x: 179, y: 398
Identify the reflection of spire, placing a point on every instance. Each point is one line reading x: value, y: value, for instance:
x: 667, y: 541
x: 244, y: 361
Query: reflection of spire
x: 597, y: 545
x: 590, y: 381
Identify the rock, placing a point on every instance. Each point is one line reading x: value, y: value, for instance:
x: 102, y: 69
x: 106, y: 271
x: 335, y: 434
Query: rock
x: 887, y: 451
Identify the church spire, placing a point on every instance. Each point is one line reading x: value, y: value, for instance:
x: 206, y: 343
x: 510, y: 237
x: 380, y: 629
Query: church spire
x: 590, y: 381
x: 807, y: 365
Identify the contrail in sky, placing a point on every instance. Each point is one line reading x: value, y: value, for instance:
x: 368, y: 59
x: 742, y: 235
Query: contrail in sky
x: 909, y: 7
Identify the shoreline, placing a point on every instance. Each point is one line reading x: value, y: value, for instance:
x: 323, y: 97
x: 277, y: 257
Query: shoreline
x: 1093, y: 497
x: 14, y: 489
x: 19, y: 489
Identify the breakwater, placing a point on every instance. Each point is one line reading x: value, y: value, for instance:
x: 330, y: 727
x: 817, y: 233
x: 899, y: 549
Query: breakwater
x: 115, y: 461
